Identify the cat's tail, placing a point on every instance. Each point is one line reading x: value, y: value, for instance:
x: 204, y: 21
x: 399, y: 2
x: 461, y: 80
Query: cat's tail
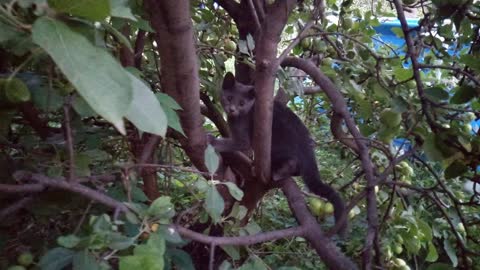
x: 310, y: 175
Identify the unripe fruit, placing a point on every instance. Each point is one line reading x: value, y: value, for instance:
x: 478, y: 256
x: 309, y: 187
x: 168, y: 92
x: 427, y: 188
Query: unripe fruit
x: 16, y: 91
x: 328, y: 208
x: 230, y: 45
x: 316, y: 205
x: 347, y: 23
x: 390, y: 118
x: 25, y: 259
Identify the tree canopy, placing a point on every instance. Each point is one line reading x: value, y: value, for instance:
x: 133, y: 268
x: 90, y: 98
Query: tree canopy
x: 106, y: 106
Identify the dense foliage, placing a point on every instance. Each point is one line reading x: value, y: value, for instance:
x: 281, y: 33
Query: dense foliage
x: 103, y: 156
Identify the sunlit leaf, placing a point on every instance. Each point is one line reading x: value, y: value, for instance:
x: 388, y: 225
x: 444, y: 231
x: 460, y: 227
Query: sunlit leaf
x: 451, y: 252
x: 95, y: 10
x: 145, y: 111
x: 92, y: 71
x: 214, y: 203
x: 234, y: 191
x: 211, y: 159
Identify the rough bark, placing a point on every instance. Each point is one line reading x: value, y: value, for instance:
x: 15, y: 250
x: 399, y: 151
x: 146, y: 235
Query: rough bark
x: 179, y: 70
x: 266, y: 68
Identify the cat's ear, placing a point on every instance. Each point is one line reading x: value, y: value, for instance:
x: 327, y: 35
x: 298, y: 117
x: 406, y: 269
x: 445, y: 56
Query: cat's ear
x: 228, y: 81
x: 251, y: 92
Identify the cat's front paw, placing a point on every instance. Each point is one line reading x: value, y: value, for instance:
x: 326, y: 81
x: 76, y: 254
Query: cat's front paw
x: 211, y: 139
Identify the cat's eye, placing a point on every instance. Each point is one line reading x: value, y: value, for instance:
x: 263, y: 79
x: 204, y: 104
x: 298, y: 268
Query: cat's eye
x: 242, y: 103
x: 229, y: 98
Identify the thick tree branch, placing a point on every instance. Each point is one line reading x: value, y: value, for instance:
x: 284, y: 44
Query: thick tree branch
x: 324, y: 247
x: 172, y: 22
x: 266, y: 67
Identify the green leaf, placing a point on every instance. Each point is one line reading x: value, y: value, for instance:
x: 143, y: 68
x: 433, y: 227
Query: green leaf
x: 167, y: 101
x: 145, y: 111
x: 431, y: 149
x: 132, y: 218
x: 402, y: 74
x: 118, y: 35
x: 234, y: 190
x: 365, y: 108
x: 121, y: 9
x: 440, y: 266
x: 425, y: 230
x: 455, y: 169
x: 254, y: 264
x: 232, y: 251
x: 432, y: 255
x: 92, y: 71
x: 161, y: 208
x: 101, y: 224
x: 450, y: 252
x: 69, y: 241
x: 471, y: 61
x: 214, y: 203
x: 169, y: 106
x: 138, y: 195
x: 56, y: 259
x: 7, y: 32
x: 169, y: 234
x: 95, y: 10
x: 82, y: 164
x: 83, y: 260
x: 16, y: 91
x: 146, y: 257
x: 181, y: 259
x: 397, y: 31
x: 436, y: 93
x: 211, y: 159
x: 82, y: 107
x: 119, y: 241
x: 463, y: 94
x: 173, y: 120
x: 144, y: 262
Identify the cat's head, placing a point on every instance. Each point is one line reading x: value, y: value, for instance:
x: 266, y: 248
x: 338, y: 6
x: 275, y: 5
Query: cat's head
x: 237, y: 99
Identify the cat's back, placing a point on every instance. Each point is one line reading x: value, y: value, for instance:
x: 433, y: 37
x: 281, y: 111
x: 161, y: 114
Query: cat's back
x: 287, y: 128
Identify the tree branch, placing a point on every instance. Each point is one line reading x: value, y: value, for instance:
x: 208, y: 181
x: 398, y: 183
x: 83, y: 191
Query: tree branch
x: 240, y: 240
x: 172, y: 22
x: 72, y: 187
x: 324, y: 247
x: 266, y: 67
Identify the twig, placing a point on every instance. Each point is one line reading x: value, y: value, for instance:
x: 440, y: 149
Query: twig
x: 415, y: 65
x: 69, y: 139
x: 458, y: 70
x: 212, y: 254
x: 82, y: 219
x: 73, y: 187
x: 240, y: 240
x: 254, y: 14
x: 15, y: 207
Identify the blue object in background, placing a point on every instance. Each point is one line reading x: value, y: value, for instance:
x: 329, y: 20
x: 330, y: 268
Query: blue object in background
x: 385, y: 33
